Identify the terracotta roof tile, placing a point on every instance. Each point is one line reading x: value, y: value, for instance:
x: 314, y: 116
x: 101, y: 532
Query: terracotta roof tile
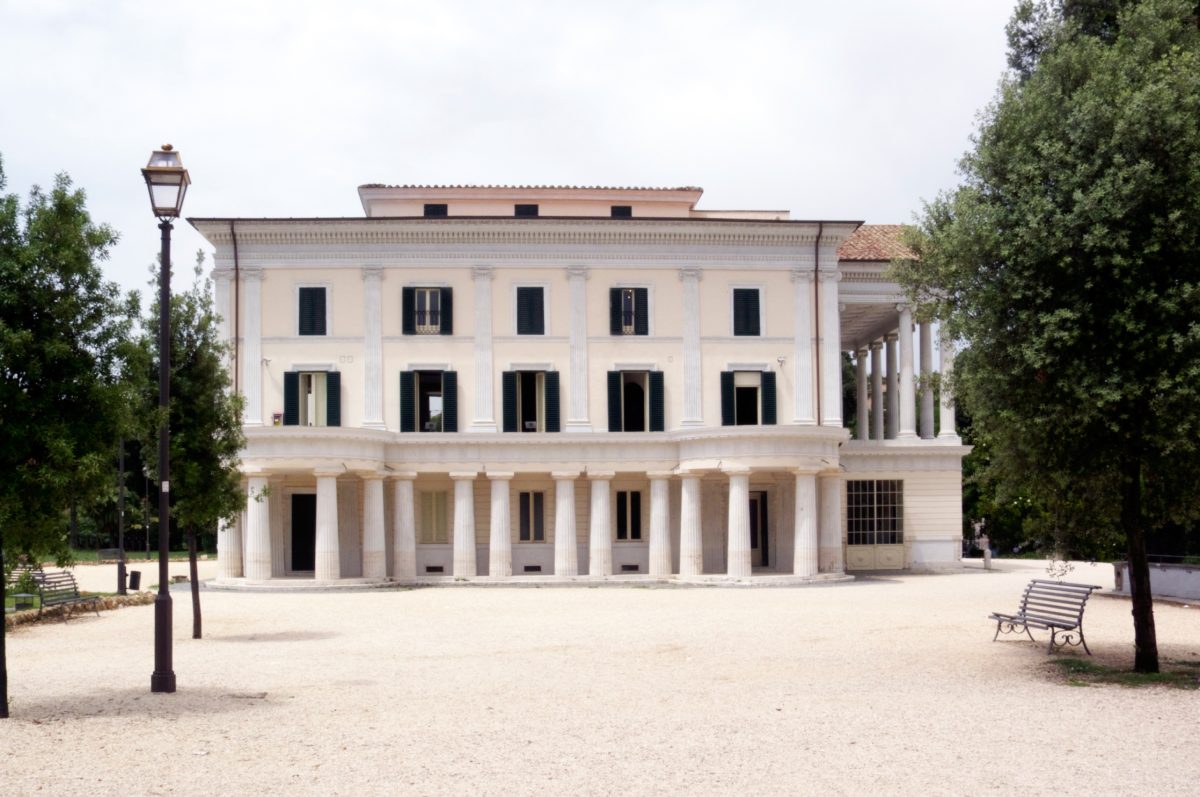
x: 875, y: 242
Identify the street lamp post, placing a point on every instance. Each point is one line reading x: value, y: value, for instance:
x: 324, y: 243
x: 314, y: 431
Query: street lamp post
x: 167, y: 182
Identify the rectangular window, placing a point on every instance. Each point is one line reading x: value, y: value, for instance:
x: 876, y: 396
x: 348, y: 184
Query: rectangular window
x: 531, y: 311
x: 622, y: 211
x: 313, y: 393
x: 312, y: 398
x: 428, y: 401
x: 629, y: 515
x: 746, y: 312
x: 525, y: 211
x: 428, y: 309
x: 312, y: 311
x: 635, y: 401
x: 629, y: 311
x: 748, y: 398
x: 875, y: 512
x: 745, y: 397
x: 434, y: 210
x: 434, y: 528
x: 531, y: 509
x: 530, y: 400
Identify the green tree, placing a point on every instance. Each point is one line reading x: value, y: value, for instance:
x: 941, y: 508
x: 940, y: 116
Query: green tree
x: 1069, y: 263
x: 64, y: 339
x: 205, y: 420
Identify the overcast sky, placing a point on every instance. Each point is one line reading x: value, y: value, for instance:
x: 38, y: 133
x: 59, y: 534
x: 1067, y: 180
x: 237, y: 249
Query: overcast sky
x: 852, y: 110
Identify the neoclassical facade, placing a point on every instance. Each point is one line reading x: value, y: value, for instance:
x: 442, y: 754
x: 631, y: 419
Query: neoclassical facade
x: 505, y: 382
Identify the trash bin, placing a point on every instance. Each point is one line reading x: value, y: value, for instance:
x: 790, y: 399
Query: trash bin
x: 135, y: 580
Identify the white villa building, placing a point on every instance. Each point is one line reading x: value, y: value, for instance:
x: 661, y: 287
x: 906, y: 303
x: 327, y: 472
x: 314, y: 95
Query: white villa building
x: 496, y: 382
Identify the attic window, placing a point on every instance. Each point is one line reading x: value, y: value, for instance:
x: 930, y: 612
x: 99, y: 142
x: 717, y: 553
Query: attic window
x: 622, y: 211
x: 436, y: 210
x: 525, y: 211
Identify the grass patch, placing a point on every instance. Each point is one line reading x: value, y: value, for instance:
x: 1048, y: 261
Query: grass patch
x: 1175, y: 674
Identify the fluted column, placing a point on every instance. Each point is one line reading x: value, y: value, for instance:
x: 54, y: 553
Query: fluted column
x: 831, y: 560
x: 860, y: 374
x: 691, y: 537
x: 464, y: 525
x: 484, y: 409
x: 805, y: 380
x: 693, y: 390
x: 893, y: 388
x: 258, y: 529
x: 660, y: 523
x: 831, y: 350
x: 805, y: 557
x: 374, y: 548
x: 229, y: 548
x: 908, y: 382
x: 404, y: 529
x: 222, y: 279
x: 499, y: 526
x: 252, y: 364
x: 739, y: 560
x: 877, y: 399
x: 566, y: 552
x: 372, y: 277
x: 926, y: 380
x: 577, y: 400
x: 600, y: 525
x: 328, y: 556
x: 947, y: 400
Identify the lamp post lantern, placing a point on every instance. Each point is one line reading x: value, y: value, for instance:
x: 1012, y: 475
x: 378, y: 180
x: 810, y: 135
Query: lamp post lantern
x: 167, y: 181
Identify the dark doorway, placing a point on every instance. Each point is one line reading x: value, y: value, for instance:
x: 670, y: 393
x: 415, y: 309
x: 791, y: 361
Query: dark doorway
x: 304, y: 532
x: 747, y: 406
x: 634, y: 404
x: 758, y: 529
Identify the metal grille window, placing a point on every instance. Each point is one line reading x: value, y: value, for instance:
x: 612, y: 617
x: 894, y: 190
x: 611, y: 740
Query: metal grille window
x: 428, y: 311
x: 875, y: 512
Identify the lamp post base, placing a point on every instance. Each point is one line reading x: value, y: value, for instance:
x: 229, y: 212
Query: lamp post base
x: 163, y: 677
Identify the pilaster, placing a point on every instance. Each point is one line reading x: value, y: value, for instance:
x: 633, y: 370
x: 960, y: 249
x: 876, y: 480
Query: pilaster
x: 252, y: 347
x: 693, y: 389
x: 372, y: 277
x: 831, y: 349
x: 577, y: 399
x: 484, y: 408
x: 804, y: 379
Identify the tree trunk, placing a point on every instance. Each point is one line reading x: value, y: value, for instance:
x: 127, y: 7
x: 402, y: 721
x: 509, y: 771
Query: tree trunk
x: 192, y: 577
x: 73, y: 531
x: 1145, y: 641
x: 3, y: 653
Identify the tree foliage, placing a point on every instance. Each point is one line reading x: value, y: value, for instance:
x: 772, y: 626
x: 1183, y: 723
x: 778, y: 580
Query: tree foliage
x: 1069, y: 262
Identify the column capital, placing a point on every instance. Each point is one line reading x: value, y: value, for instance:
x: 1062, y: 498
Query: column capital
x: 371, y: 272
x: 692, y: 274
x: 564, y: 475
x: 903, y: 307
x: 371, y: 474
x: 463, y: 475
x: 402, y: 475
x: 891, y: 337
x: 497, y: 476
x: 601, y: 475
x: 577, y: 272
x: 830, y: 275
x: 876, y: 345
x: 482, y: 272
x: 802, y: 275
x: 251, y: 274
x: 659, y: 475
x: 222, y: 275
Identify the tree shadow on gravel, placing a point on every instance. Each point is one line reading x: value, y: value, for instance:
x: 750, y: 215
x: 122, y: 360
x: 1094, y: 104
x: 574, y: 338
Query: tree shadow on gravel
x: 134, y: 704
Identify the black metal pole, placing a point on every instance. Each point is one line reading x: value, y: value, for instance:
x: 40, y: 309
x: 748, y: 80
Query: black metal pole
x: 121, y: 518
x: 163, y: 678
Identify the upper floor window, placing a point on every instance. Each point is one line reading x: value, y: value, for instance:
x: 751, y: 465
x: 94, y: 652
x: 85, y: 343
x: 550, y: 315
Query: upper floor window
x: 312, y: 311
x: 531, y: 517
x: 427, y: 311
x: 531, y: 311
x: 621, y: 211
x: 629, y: 311
x: 747, y: 398
x: 635, y: 401
x: 525, y: 210
x: 629, y: 515
x: 874, y: 512
x: 435, y: 210
x: 531, y: 401
x: 429, y: 401
x: 312, y: 398
x: 746, y: 318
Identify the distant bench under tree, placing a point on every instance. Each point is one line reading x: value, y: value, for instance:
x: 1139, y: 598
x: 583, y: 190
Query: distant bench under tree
x: 1056, y: 606
x: 56, y: 588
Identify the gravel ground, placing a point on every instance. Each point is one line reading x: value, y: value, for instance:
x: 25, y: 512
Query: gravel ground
x: 889, y: 685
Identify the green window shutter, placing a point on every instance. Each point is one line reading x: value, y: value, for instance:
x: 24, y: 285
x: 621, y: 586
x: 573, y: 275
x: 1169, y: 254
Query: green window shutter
x: 745, y: 311
x: 657, y: 416
x: 727, y: 418
x: 767, y: 391
x: 447, y: 320
x: 530, y: 312
x: 614, y: 311
x: 333, y: 398
x: 312, y: 311
x: 508, y: 393
x: 291, y: 398
x: 614, y: 401
x: 408, y: 401
x: 641, y: 311
x: 552, y: 401
x: 622, y: 526
x: 408, y: 311
x: 449, y: 401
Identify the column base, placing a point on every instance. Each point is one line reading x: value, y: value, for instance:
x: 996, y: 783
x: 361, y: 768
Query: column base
x: 483, y: 426
x: 578, y: 426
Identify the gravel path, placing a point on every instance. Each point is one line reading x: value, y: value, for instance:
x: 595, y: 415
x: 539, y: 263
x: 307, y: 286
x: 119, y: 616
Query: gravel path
x: 889, y: 685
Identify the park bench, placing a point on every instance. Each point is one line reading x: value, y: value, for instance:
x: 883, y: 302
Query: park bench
x: 58, y: 588
x: 22, y: 578
x: 1056, y: 606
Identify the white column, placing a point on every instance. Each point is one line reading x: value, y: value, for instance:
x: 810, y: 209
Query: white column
x: 860, y: 373
x: 464, y: 525
x: 328, y: 556
x: 252, y: 347
x: 660, y: 523
x: 877, y: 399
x: 893, y: 388
x: 404, y: 529
x: 805, y: 381
x: 926, y: 380
x: 947, y: 399
x: 831, y: 560
x: 372, y: 276
x: 499, y: 527
x: 577, y: 398
x: 258, y: 530
x: 805, y: 560
x: 693, y: 390
x: 485, y: 411
x: 229, y: 548
x: 566, y: 552
x: 739, y: 523
x: 908, y: 382
x: 691, y: 536
x: 831, y: 350
x: 600, y: 525
x: 374, y: 548
x: 222, y: 278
